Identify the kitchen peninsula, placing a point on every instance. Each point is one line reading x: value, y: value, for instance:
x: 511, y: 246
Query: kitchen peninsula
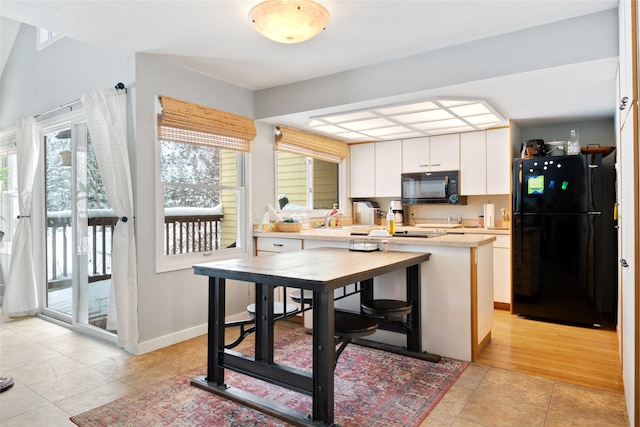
x: 457, y: 285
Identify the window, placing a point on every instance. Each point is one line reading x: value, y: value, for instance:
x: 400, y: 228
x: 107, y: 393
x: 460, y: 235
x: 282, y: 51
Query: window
x: 308, y: 167
x: 305, y: 182
x: 46, y: 37
x: 202, y: 200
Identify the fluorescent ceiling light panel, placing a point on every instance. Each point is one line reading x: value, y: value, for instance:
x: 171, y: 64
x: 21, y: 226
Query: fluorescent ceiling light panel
x: 470, y: 110
x: 417, y: 119
x: 482, y: 119
x: 341, y: 118
x: 402, y: 109
x: 385, y: 131
x: 453, y: 102
x: 367, y: 124
x: 424, y: 116
x: 353, y: 136
x: 329, y: 129
x: 441, y: 124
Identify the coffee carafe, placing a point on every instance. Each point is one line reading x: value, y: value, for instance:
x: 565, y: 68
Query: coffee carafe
x: 396, y: 208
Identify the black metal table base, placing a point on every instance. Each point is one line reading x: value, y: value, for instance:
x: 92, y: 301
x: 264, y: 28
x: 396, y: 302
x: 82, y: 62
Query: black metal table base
x: 422, y: 355
x: 258, y: 403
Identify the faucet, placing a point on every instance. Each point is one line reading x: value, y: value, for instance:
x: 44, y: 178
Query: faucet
x: 328, y: 217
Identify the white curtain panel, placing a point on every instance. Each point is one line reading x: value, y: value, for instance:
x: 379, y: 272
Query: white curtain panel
x: 21, y: 293
x: 106, y: 114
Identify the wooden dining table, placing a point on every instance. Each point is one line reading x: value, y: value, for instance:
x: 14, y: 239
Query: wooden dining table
x: 320, y: 270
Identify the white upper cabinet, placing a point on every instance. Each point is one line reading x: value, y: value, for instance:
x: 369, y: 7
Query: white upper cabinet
x: 374, y: 169
x: 473, y: 163
x: 415, y: 154
x: 435, y: 153
x: 362, y: 170
x: 485, y: 162
x: 388, y: 168
x: 444, y: 152
x: 499, y: 161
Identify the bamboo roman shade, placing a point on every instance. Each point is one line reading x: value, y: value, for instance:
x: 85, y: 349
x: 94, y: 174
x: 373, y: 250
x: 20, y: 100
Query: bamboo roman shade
x: 311, y: 145
x: 189, y: 123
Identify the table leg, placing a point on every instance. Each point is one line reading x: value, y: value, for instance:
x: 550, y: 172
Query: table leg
x: 264, y: 323
x: 215, y: 341
x: 414, y: 335
x: 323, y: 357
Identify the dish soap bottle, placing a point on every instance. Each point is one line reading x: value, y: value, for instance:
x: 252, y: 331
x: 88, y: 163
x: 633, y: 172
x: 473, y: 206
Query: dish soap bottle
x: 391, y: 222
x: 573, y: 144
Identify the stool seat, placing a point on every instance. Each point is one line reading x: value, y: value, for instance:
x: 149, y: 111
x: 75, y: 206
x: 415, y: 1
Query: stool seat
x: 303, y: 296
x: 278, y: 309
x: 386, y: 307
x: 349, y: 325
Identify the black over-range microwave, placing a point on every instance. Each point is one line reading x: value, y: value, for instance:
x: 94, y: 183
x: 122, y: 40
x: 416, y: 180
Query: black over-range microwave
x: 431, y: 187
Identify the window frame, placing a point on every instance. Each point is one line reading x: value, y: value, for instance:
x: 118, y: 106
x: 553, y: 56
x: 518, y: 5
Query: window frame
x: 310, y: 210
x: 167, y: 263
x: 52, y: 37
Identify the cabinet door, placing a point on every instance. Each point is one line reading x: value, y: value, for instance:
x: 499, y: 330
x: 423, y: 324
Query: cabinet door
x: 473, y: 163
x: 362, y: 170
x: 415, y: 155
x: 444, y: 152
x: 502, y: 269
x: 388, y: 168
x: 499, y: 160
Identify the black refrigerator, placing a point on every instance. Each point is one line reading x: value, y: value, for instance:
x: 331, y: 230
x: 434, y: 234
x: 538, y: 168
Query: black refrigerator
x: 563, y: 239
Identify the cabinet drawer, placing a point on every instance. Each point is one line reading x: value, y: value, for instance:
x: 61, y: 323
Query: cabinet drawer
x: 274, y: 244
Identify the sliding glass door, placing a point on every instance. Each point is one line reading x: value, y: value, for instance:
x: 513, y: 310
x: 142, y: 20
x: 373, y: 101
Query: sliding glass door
x: 79, y: 233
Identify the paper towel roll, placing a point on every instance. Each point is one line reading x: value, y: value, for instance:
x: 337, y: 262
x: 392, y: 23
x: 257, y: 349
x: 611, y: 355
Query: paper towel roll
x: 489, y: 215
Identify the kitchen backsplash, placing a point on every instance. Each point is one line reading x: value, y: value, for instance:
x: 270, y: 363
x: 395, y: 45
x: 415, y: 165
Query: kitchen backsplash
x: 468, y: 212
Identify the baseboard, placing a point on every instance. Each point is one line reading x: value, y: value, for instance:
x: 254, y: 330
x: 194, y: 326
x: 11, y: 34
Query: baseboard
x: 502, y: 306
x: 174, y: 338
x: 187, y: 334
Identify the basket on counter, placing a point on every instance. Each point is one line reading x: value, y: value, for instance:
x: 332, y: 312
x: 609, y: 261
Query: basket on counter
x: 289, y: 226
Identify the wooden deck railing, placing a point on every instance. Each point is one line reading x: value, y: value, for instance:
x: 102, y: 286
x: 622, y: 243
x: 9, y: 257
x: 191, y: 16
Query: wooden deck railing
x: 182, y: 234
x: 192, y: 233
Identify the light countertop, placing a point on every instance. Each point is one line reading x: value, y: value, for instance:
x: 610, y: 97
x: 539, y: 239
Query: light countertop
x: 460, y: 237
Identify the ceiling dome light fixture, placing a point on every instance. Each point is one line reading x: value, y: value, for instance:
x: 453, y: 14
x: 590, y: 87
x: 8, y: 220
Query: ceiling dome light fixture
x: 289, y: 21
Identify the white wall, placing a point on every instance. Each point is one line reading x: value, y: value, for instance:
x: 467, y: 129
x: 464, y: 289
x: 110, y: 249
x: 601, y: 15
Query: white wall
x: 37, y: 81
x: 173, y: 305
x: 591, y: 132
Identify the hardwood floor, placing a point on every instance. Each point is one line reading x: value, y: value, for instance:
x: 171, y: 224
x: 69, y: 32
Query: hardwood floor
x: 577, y: 355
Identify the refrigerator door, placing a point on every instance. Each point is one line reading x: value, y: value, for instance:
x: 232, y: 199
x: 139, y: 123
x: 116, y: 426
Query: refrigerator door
x: 558, y: 184
x: 555, y: 274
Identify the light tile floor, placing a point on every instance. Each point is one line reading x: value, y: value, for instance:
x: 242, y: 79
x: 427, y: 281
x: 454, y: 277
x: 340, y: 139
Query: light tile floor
x: 59, y: 373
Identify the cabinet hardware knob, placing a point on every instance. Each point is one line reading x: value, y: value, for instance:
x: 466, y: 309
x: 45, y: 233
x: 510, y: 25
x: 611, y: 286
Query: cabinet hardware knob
x: 624, y: 263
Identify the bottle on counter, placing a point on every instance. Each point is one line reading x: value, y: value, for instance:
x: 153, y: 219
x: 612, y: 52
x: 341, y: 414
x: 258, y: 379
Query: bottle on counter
x: 391, y: 222
x: 334, y: 221
x: 573, y: 144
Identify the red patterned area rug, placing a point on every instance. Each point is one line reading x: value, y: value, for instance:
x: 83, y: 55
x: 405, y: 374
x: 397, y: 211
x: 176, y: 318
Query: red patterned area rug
x: 372, y: 388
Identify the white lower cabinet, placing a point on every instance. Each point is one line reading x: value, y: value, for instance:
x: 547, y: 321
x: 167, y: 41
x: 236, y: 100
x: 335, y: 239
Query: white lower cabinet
x: 266, y: 246
x: 502, y: 269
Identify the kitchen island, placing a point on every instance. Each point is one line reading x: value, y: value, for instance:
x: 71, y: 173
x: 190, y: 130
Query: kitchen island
x: 457, y: 285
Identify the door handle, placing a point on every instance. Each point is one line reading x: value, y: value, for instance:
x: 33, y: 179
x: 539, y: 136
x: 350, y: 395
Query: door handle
x: 624, y: 263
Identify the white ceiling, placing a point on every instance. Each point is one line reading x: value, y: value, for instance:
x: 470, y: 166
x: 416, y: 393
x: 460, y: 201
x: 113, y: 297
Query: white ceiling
x: 216, y: 38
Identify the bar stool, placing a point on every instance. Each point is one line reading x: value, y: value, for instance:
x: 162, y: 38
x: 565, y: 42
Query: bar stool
x: 302, y: 296
x: 348, y: 326
x: 389, y: 309
x: 278, y: 309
